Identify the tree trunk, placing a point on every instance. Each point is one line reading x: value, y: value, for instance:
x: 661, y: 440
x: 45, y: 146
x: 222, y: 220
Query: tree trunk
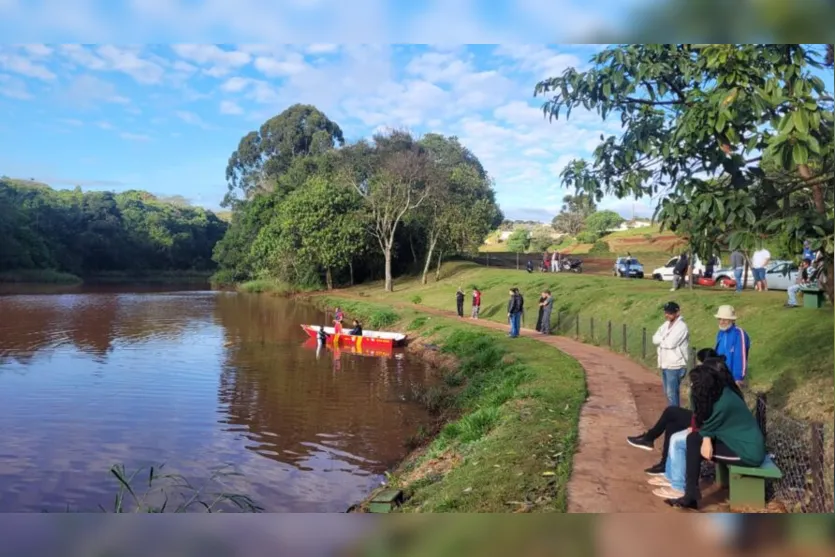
x: 690, y: 270
x: 745, y: 274
x: 387, y: 254
x: 351, y: 273
x: 329, y: 278
x: 438, y: 269
x: 412, y: 247
x: 828, y: 283
x: 432, y: 244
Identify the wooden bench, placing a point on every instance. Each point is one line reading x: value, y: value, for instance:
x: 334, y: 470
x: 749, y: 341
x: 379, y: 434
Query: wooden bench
x: 747, y: 485
x: 812, y: 297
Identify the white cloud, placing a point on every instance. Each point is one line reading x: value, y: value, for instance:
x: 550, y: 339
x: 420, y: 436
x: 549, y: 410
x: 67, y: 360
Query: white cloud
x: 229, y: 107
x: 541, y: 61
x: 87, y: 90
x: 23, y: 66
x: 292, y: 64
x: 216, y: 62
x: 134, y: 136
x: 37, y: 50
x: 192, y: 119
x: 14, y: 88
x: 129, y: 62
x: 322, y: 48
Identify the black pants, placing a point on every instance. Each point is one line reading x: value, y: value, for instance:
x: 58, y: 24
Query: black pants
x: 694, y: 458
x: 539, y: 320
x: 673, y: 419
x: 460, y: 304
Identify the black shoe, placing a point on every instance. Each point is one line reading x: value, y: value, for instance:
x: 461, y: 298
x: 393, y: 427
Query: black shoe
x: 683, y: 503
x: 655, y: 470
x: 640, y: 442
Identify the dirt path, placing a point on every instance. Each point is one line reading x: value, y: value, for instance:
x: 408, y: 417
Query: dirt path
x: 624, y: 399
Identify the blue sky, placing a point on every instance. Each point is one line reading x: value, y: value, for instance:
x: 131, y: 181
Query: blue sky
x: 166, y: 118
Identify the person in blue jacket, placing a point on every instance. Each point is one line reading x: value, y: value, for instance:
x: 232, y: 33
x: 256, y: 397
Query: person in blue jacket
x: 733, y: 343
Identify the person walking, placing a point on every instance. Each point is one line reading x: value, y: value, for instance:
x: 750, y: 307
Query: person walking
x: 515, y: 306
x: 738, y: 265
x: 680, y: 271
x: 547, y: 307
x: 672, y: 340
x: 733, y: 343
x: 459, y: 302
x: 476, y: 302
x: 759, y: 261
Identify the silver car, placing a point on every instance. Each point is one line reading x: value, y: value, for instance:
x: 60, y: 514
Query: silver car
x: 777, y: 276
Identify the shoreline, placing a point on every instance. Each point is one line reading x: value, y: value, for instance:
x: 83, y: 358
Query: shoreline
x: 49, y: 277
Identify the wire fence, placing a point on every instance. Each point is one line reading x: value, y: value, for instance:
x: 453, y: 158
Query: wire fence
x: 804, y: 451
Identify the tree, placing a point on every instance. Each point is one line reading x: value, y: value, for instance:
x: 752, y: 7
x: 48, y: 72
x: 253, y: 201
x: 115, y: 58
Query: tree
x: 603, y: 221
x: 519, y: 241
x: 695, y: 114
x: 541, y: 238
x: 572, y: 217
x: 391, y: 175
x: 263, y: 156
x: 325, y: 225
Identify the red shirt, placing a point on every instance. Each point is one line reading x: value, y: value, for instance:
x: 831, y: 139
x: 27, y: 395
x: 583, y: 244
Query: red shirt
x: 477, y: 298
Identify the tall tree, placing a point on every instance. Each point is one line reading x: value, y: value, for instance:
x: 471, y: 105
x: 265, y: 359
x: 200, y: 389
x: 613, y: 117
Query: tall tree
x: 572, y: 217
x: 696, y: 113
x: 263, y: 156
x: 391, y: 174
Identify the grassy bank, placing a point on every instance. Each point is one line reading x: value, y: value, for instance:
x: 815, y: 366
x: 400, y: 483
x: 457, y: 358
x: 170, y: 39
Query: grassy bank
x: 791, y: 355
x: 38, y: 276
x: 507, y: 417
x: 150, y: 277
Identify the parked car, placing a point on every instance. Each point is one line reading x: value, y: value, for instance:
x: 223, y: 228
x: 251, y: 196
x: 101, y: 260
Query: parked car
x: 666, y: 272
x: 628, y: 267
x: 777, y: 276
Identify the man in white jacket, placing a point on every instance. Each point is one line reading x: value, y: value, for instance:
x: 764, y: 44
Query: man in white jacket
x: 673, y: 342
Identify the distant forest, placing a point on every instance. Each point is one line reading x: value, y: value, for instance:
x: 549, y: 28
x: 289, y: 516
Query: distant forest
x: 85, y: 233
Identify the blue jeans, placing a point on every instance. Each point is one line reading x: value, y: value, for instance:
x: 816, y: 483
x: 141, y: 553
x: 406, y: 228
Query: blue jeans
x: 672, y: 384
x: 515, y: 324
x: 676, y: 469
x: 793, y: 290
x: 738, y: 277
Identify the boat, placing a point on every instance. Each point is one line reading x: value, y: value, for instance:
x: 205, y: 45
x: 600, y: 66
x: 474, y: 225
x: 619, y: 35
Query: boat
x: 376, y: 352
x: 369, y: 339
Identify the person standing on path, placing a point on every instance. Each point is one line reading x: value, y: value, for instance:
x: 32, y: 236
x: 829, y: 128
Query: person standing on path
x: 459, y: 302
x: 673, y: 342
x: 541, y: 304
x: 515, y: 306
x: 733, y: 343
x: 680, y: 271
x: 759, y: 261
x: 547, y: 307
x: 476, y: 302
x: 738, y: 265
x: 555, y: 268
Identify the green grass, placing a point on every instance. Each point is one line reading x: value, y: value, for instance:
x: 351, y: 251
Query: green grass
x: 791, y: 354
x: 38, y: 276
x: 510, y: 410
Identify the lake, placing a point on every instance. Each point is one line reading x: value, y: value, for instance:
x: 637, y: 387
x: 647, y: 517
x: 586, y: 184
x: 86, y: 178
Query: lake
x: 198, y: 381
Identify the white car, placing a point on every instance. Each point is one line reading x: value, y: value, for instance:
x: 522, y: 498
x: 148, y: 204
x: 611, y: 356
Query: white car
x: 666, y: 272
x: 779, y: 276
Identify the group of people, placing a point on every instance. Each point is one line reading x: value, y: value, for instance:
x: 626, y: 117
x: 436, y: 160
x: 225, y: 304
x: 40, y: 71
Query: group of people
x: 719, y: 427
x: 459, y: 302
x: 338, y: 329
x: 806, y: 278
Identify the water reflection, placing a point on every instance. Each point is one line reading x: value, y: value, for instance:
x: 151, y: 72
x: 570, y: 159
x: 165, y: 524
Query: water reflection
x: 193, y: 379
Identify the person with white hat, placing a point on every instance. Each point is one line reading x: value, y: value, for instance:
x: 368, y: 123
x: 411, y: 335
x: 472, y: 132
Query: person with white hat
x: 733, y: 343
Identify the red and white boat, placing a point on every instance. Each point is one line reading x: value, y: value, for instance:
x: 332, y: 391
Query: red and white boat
x: 369, y: 339
x: 375, y: 352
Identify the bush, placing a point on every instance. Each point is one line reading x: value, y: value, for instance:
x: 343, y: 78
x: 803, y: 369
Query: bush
x: 416, y: 300
x: 587, y: 237
x: 599, y: 247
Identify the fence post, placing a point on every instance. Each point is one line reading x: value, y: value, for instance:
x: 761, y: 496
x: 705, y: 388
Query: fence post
x: 591, y: 326
x: 760, y: 412
x: 816, y: 457
x: 577, y: 326
x: 488, y: 258
x: 517, y: 260
x: 644, y: 342
x: 609, y: 333
x: 624, y: 338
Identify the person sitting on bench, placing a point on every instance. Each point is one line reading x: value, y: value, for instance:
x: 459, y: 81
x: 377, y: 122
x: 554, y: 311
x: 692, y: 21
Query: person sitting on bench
x: 726, y: 430
x: 801, y: 282
x: 356, y: 330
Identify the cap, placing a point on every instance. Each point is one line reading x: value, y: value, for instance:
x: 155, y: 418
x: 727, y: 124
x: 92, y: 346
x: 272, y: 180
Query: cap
x: 671, y: 307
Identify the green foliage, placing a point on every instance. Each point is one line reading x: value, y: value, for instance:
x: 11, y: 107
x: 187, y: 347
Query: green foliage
x: 572, y: 217
x: 382, y: 318
x: 416, y: 299
x: 587, y: 237
x: 541, y: 239
x: 417, y: 324
x: 601, y: 222
x: 751, y: 118
x: 599, y: 247
x: 86, y: 233
x: 519, y: 241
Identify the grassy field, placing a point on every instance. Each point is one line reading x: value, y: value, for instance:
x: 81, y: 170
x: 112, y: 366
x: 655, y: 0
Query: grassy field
x: 507, y: 413
x: 38, y: 276
x: 791, y: 354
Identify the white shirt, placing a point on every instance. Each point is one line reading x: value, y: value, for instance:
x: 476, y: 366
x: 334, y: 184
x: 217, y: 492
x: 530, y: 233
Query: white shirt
x: 673, y: 344
x: 760, y: 258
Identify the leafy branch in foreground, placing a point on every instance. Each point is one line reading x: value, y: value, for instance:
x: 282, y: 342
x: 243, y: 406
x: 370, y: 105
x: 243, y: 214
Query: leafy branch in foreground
x: 173, y: 493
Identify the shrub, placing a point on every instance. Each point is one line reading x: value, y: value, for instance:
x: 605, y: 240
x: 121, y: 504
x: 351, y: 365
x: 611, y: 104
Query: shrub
x: 587, y: 237
x: 416, y: 299
x: 599, y: 247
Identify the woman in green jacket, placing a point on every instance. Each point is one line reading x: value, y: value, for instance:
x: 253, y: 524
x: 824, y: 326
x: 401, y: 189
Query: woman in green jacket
x: 725, y: 431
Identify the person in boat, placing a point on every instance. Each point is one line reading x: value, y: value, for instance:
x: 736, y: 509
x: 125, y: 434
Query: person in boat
x: 356, y: 330
x: 322, y: 336
x: 337, y: 326
x: 338, y: 315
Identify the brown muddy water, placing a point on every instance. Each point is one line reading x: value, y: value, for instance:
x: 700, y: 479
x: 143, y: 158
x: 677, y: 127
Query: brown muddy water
x: 196, y: 380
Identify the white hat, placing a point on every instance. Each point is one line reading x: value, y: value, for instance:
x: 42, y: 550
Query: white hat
x: 726, y: 312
